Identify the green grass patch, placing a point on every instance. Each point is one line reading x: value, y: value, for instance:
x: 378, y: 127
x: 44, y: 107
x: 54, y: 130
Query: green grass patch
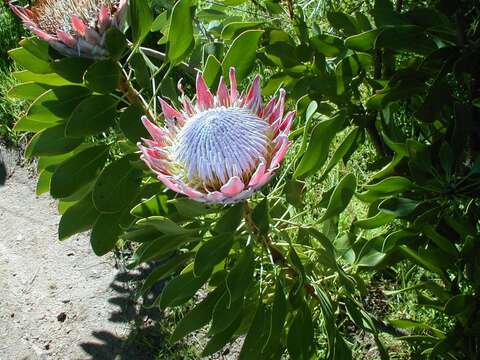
x: 10, y: 109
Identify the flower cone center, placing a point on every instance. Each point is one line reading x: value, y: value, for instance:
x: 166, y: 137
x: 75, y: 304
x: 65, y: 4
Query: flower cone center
x: 217, y: 144
x: 54, y: 15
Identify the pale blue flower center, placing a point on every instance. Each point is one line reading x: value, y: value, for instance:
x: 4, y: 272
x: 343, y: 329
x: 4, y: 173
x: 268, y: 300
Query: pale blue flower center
x: 219, y: 143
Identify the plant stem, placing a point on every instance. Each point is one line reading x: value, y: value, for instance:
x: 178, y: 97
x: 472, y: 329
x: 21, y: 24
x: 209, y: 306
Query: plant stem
x: 132, y: 95
x: 161, y: 56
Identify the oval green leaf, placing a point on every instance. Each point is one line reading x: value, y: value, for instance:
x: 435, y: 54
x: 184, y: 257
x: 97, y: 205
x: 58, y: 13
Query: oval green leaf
x: 242, y: 54
x: 117, y: 185
x: 78, y: 171
x: 92, y: 116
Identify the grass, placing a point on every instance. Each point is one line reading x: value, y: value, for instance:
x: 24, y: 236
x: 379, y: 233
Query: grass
x: 10, y: 32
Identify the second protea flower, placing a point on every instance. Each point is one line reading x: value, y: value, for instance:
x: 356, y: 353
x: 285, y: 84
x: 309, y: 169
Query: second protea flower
x: 222, y: 148
x: 73, y: 27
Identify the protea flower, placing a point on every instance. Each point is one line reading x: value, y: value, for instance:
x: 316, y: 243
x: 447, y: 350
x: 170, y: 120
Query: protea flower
x: 223, y: 148
x: 73, y: 27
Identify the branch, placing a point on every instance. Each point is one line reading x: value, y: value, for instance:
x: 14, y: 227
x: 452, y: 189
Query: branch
x: 132, y: 95
x: 290, y: 9
x: 162, y: 56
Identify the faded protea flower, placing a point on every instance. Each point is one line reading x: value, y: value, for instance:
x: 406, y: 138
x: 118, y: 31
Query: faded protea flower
x: 221, y: 149
x: 73, y: 27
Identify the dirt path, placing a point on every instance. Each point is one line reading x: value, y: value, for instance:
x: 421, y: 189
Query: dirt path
x: 57, y: 299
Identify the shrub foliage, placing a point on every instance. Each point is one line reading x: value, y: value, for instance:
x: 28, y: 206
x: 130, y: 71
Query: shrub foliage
x: 290, y: 267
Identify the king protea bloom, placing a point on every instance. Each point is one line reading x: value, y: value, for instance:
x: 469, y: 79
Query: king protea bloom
x: 73, y: 27
x: 221, y: 148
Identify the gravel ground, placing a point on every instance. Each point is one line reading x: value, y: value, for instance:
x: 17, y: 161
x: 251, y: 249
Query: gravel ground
x: 58, y: 300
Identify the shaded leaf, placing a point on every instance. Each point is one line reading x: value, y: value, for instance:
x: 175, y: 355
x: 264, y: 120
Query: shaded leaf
x: 77, y: 171
x: 103, y: 76
x: 78, y: 218
x: 181, y: 288
x: 105, y: 233
x: 92, y: 116
x: 180, y: 34
x: 117, y: 185
x: 242, y: 54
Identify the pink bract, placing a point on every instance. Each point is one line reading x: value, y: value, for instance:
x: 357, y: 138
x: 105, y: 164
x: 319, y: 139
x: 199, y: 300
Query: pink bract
x: 222, y: 148
x: 74, y: 27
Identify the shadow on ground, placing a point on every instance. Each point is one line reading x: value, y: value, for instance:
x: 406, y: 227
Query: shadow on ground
x: 144, y: 337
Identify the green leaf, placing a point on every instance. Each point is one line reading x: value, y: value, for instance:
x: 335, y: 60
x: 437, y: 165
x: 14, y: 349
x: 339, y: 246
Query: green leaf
x: 327, y: 45
x: 103, y: 76
x: 441, y: 241
x: 164, y: 225
x: 233, y: 2
x: 341, y: 196
x: 212, y: 71
x: 256, y: 336
x: 154, y: 249
x: 298, y: 266
x: 369, y: 255
x: 390, y: 186
x: 182, y: 288
x: 311, y: 110
x: 341, y: 151
x: 105, y: 233
x: 212, y: 252
x: 230, y: 221
x: 349, y: 67
x: 294, y: 193
x: 225, y: 313
x: 180, y: 33
x: 78, y: 170
x: 234, y: 29
x: 241, y: 275
x: 300, y: 335
x: 398, y: 206
x: 277, y: 321
x: 142, y: 72
x: 72, y: 68
x: 27, y: 60
x: 92, y: 116
x: 345, y: 23
x: 131, y: 124
x: 375, y: 221
x: 51, y: 108
x: 160, y: 22
x: 156, y: 205
x: 78, y: 218
x: 43, y: 182
x: 51, y: 141
x: 459, y: 304
x: 115, y: 42
x: 164, y: 270
x: 46, y: 79
x: 261, y: 216
x: 198, y: 317
x: 141, y: 19
x: 384, y: 14
x: 405, y: 38
x: 242, y: 54
x: 362, y: 42
x: 27, y: 91
x: 192, y: 209
x: 37, y: 47
x: 218, y: 341
x: 117, y: 185
x: 420, y: 260
x: 317, y: 151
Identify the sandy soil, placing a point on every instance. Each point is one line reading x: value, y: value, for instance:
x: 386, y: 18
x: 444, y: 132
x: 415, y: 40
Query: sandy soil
x: 57, y: 299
